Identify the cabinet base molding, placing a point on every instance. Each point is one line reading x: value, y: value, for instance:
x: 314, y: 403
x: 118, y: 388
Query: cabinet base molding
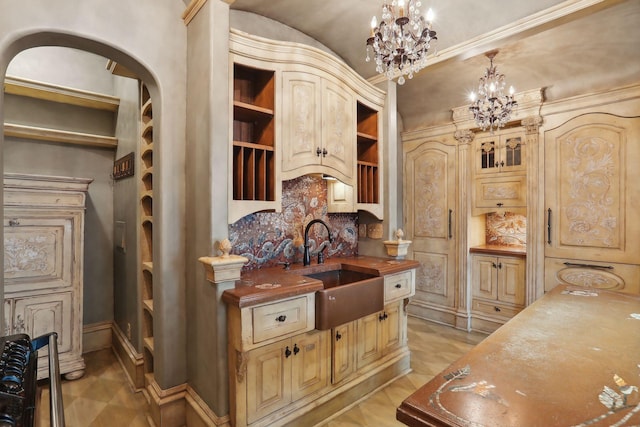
x: 441, y: 315
x: 485, y: 325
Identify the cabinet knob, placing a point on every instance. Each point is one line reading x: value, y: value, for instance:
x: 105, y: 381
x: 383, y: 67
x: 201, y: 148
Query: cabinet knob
x: 281, y: 318
x: 296, y: 349
x: 338, y: 336
x: 324, y: 152
x: 318, y: 151
x: 499, y: 205
x: 398, y: 285
x: 383, y: 316
x: 493, y: 264
x: 287, y: 352
x: 496, y: 309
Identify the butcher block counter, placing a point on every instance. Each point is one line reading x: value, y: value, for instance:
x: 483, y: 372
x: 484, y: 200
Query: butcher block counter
x: 572, y: 358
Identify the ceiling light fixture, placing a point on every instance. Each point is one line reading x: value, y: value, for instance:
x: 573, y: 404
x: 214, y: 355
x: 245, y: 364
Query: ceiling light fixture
x: 400, y: 43
x: 491, y: 108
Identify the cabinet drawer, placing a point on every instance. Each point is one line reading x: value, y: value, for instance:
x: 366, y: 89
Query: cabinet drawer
x: 500, y: 192
x: 280, y: 318
x: 398, y: 286
x: 495, y: 308
x: 592, y: 274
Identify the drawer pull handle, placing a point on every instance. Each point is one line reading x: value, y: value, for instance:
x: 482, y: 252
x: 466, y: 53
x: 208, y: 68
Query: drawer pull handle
x: 497, y: 309
x: 338, y: 336
x: 14, y: 222
x: 287, y: 352
x: 500, y: 205
x: 296, y: 349
x: 398, y: 285
x: 450, y: 225
x: 281, y: 318
x: 571, y: 264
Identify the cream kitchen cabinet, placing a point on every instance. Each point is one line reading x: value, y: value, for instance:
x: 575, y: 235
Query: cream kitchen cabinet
x: 499, y: 180
x: 430, y: 189
x: 501, y: 152
x: 320, y: 130
x: 43, y: 269
x: 283, y: 372
x: 490, y: 194
x: 343, y: 352
x: 380, y: 333
x: 591, y: 202
x: 498, y: 290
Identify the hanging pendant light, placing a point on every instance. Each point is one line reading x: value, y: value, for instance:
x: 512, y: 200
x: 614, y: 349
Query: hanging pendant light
x: 399, y: 44
x: 491, y: 108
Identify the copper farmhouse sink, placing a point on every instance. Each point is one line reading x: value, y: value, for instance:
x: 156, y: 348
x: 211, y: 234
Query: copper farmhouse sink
x: 347, y: 295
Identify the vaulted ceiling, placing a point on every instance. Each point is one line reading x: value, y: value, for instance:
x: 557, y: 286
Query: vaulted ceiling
x: 567, y: 47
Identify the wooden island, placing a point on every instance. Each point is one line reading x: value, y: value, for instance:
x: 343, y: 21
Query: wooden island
x: 571, y: 358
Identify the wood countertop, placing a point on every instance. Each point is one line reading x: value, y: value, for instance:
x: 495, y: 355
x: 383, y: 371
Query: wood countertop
x: 572, y: 358
x: 275, y: 283
x: 500, y: 250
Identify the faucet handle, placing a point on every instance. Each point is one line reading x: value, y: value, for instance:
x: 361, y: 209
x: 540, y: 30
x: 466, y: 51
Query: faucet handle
x: 286, y: 264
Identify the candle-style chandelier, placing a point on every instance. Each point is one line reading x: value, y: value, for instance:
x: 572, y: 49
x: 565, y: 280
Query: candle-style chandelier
x: 400, y: 43
x: 491, y: 108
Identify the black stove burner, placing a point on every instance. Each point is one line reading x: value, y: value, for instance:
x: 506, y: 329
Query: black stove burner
x: 18, y: 376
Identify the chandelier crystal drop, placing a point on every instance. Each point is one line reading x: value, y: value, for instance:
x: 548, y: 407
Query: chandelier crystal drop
x: 491, y: 108
x: 399, y: 44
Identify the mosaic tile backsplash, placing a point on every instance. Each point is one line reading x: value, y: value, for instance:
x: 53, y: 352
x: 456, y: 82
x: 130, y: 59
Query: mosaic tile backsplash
x: 507, y: 229
x: 270, y: 238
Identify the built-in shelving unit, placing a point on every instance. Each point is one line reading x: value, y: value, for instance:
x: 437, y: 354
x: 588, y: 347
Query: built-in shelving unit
x: 253, y: 134
x: 62, y: 95
x: 146, y: 226
x: 368, y: 164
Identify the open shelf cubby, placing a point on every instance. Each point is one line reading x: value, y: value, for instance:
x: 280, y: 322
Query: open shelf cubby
x: 253, y: 134
x: 368, y: 175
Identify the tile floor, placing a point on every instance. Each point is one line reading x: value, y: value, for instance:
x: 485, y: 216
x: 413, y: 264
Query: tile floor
x: 103, y: 397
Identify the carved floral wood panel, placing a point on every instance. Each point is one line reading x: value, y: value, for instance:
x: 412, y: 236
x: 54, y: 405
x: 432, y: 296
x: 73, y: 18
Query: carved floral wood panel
x: 30, y: 254
x: 430, y: 195
x: 591, y: 191
x: 432, y: 274
x: 303, y: 118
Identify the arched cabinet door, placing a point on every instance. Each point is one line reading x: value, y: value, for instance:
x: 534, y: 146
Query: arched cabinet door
x: 592, y: 200
x: 430, y: 199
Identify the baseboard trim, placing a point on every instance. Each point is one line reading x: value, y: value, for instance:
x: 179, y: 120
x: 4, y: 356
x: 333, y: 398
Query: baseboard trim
x: 200, y: 415
x: 96, y: 336
x: 129, y: 358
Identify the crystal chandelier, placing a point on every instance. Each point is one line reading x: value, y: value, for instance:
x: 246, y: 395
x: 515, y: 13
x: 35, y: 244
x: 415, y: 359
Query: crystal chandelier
x: 400, y: 43
x: 491, y: 108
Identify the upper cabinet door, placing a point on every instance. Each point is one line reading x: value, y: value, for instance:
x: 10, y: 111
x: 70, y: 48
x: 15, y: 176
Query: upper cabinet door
x: 338, y: 130
x: 592, y: 191
x: 501, y: 152
x: 302, y: 124
x: 318, y: 127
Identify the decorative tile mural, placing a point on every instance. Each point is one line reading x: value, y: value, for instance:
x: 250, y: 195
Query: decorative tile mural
x: 270, y: 238
x: 506, y: 228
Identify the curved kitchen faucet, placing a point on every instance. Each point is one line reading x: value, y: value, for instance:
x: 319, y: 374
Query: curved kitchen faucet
x: 306, y: 260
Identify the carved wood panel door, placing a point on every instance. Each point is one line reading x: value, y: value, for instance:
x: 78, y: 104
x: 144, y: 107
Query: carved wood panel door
x: 302, y: 126
x: 430, y: 199
x: 592, y: 189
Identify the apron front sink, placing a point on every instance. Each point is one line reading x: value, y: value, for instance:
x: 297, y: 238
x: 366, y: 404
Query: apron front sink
x: 347, y: 295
